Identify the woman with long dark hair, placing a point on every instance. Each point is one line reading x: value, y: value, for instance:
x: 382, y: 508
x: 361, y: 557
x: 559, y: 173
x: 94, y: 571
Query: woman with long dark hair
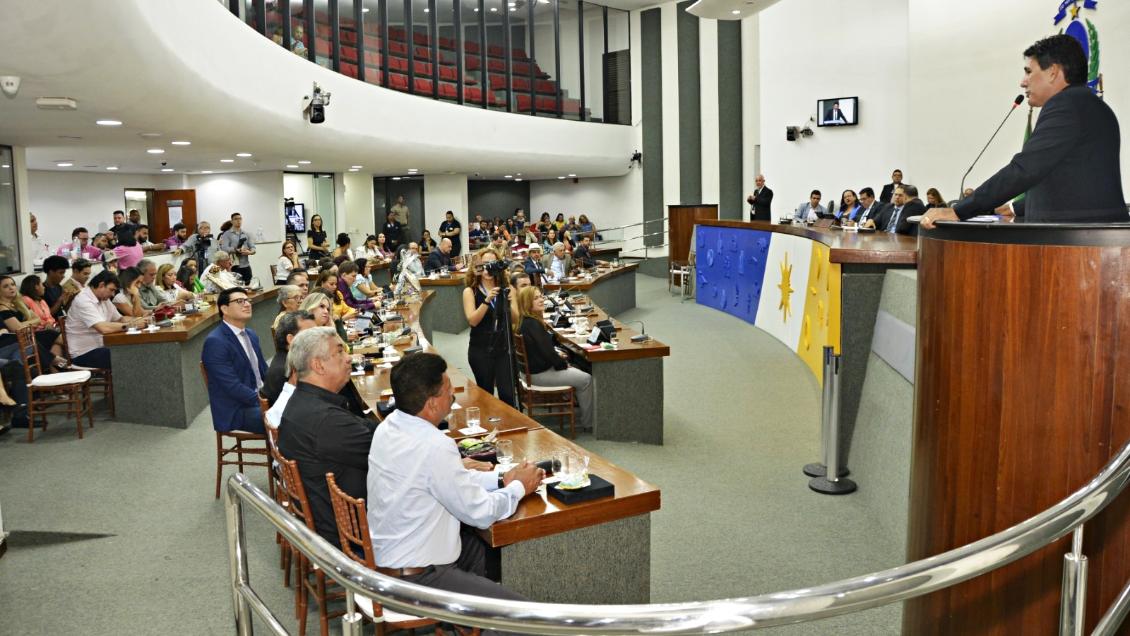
x: 317, y: 245
x: 487, y: 351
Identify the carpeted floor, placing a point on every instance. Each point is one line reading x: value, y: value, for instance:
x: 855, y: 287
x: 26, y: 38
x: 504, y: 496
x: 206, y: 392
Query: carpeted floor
x: 119, y: 534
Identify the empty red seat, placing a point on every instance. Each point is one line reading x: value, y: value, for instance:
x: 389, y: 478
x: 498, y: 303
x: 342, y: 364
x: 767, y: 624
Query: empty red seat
x: 349, y: 70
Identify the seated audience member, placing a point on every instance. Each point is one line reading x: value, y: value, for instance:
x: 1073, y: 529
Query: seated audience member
x: 80, y: 246
x: 110, y: 262
x: 167, y: 284
x: 287, y: 263
x: 327, y: 284
x: 222, y: 275
x: 424, y: 504
x: 499, y: 243
x: 318, y: 431
x: 31, y: 293
x: 344, y: 247
x: 905, y: 204
x: 289, y: 298
x: 441, y: 258
x: 519, y: 280
x: 383, y: 248
x: 363, y: 287
x: 80, y: 273
x: 870, y: 207
x: 235, y: 366
x: 101, y: 242
x: 519, y: 218
x: 849, y: 207
x: 288, y: 326
x: 585, y: 226
x: 320, y: 306
x: 934, y: 199
x: 532, y: 264
x: 543, y: 224
x: 547, y: 366
x: 187, y: 279
x: 557, y: 263
x: 548, y: 239
x: 477, y: 236
x: 559, y: 221
x: 346, y: 276
x: 325, y: 264
x: 128, y: 299
x: 56, y: 296
x: 369, y: 250
x: 300, y: 279
x: 427, y: 244
x: 177, y: 238
x: 810, y: 210
x: 128, y: 250
x: 91, y: 316
x: 152, y: 296
x: 582, y: 255
x: 16, y: 315
x: 142, y: 235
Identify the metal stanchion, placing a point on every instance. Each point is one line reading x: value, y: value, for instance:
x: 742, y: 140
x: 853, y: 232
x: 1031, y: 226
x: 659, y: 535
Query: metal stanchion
x: 819, y: 469
x: 1073, y: 599
x: 833, y: 482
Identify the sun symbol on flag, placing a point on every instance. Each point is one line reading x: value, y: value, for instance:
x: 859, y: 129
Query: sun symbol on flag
x: 786, y: 288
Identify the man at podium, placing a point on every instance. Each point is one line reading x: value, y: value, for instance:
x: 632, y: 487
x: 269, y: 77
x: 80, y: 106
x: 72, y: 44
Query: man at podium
x: 1069, y: 166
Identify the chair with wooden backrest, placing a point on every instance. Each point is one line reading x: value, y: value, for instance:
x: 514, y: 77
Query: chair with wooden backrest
x: 274, y: 274
x: 277, y: 490
x: 101, y: 380
x: 237, y: 448
x: 550, y: 401
x: 299, y: 506
x: 66, y: 392
x: 353, y: 533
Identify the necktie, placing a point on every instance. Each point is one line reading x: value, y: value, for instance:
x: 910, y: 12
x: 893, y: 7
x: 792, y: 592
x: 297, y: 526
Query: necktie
x: 894, y: 220
x: 250, y: 351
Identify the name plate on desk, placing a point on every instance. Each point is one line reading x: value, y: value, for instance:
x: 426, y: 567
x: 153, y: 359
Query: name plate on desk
x: 598, y: 488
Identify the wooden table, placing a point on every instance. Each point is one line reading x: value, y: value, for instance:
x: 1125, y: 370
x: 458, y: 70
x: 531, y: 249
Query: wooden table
x: 157, y: 375
x: 592, y: 552
x: 613, y: 288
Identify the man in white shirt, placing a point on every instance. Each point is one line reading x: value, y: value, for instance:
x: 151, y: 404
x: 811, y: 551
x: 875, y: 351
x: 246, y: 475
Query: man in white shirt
x: 221, y: 274
x: 419, y: 491
x: 40, y: 250
x: 90, y: 317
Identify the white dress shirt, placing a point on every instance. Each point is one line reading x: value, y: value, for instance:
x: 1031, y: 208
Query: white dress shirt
x: 419, y: 491
x: 274, y: 414
x: 85, y: 312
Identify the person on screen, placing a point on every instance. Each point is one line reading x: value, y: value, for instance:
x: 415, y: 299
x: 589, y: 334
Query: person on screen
x: 1069, y: 168
x: 834, y: 116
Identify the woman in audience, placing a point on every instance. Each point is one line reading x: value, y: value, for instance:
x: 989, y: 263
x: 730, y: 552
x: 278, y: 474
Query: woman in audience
x: 289, y: 299
x: 511, y: 228
x: 384, y: 247
x: 559, y: 222
x: 344, y: 247
x: 849, y: 207
x: 187, y: 278
x: 934, y: 199
x: 544, y: 224
x: 571, y: 225
x: 346, y: 278
x: 486, y: 350
x: 548, y: 366
x: 427, y: 244
x: 128, y: 300
x: 327, y: 283
x: 327, y: 263
x: 321, y: 306
x: 363, y: 287
x: 316, y: 243
x: 31, y: 292
x: 288, y: 261
x: 14, y: 315
x: 128, y: 250
x: 548, y: 239
x: 369, y: 249
x: 167, y: 283
x: 585, y: 227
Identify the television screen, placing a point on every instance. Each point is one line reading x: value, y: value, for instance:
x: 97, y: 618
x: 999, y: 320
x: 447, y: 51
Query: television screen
x: 295, y: 214
x: 838, y: 111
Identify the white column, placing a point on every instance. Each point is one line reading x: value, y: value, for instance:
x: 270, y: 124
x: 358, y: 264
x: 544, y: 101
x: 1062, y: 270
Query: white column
x: 443, y: 192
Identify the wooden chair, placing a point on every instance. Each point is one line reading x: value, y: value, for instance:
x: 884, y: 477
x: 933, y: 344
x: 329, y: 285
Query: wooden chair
x: 274, y: 273
x: 277, y: 491
x: 353, y: 533
x: 238, y: 438
x: 311, y: 579
x: 550, y: 401
x: 101, y: 380
x: 48, y: 393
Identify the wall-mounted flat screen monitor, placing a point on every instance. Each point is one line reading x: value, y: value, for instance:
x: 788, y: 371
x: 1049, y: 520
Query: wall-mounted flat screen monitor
x: 837, y: 111
x: 295, y: 214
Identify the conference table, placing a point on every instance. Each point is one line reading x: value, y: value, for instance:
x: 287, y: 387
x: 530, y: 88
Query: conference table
x: 611, y: 287
x: 597, y: 551
x: 157, y: 377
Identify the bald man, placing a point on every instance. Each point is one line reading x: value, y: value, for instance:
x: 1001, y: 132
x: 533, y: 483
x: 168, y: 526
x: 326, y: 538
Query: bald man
x: 760, y: 201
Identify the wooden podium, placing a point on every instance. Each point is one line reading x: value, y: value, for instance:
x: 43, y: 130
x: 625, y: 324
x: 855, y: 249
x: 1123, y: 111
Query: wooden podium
x: 1022, y: 395
x: 681, y: 219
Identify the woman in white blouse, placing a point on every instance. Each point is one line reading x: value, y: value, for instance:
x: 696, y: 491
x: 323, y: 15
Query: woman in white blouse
x: 287, y: 261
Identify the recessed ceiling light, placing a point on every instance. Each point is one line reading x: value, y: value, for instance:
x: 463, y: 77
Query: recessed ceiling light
x: 427, y: 10
x: 304, y: 162
x: 572, y: 175
x: 243, y: 154
x: 166, y: 169
x: 227, y: 160
x: 494, y: 9
x: 156, y: 151
x: 181, y: 143
x: 205, y: 172
x: 512, y: 10
x: 357, y: 167
x: 108, y: 122
x: 476, y: 9
x: 5, y: 166
x: 111, y: 167
x: 560, y: 177
x: 736, y: 12
x: 518, y: 173
x: 396, y: 178
x: 64, y: 164
x: 517, y: 179
x: 509, y: 176
x: 292, y: 165
x: 353, y: 169
x: 364, y: 9
x: 413, y: 170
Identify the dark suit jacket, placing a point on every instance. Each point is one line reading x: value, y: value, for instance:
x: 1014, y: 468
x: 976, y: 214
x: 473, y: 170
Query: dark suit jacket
x: 873, y: 213
x: 232, y: 394
x: 888, y: 193
x: 437, y: 260
x: 1068, y: 168
x: 913, y: 207
x: 762, y: 201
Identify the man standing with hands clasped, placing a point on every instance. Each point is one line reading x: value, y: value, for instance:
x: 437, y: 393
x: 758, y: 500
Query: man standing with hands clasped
x: 760, y: 201
x: 239, y: 244
x: 1069, y: 167
x: 423, y: 503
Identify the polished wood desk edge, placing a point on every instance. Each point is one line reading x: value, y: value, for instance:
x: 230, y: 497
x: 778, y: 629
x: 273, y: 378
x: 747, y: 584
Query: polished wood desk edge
x: 876, y: 248
x: 199, y: 323
x: 582, y: 515
x: 587, y: 285
x: 452, y: 281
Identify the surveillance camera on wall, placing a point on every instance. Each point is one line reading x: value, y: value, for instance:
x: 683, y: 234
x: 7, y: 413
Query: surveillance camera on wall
x: 9, y: 85
x: 314, y: 106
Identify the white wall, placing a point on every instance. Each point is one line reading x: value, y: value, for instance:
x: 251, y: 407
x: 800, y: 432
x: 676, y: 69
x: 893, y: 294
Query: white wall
x: 443, y: 192
x: 258, y: 196
x: 358, y: 209
x: 871, y: 64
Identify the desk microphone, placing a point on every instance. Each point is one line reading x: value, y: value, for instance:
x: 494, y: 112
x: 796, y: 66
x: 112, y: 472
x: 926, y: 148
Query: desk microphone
x: 1016, y: 102
x: 642, y: 337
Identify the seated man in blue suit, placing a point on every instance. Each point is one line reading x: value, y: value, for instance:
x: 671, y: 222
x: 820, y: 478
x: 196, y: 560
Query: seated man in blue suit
x: 235, y: 366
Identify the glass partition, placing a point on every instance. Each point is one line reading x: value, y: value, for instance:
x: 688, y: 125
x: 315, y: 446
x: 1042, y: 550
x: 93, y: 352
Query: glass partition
x: 543, y: 71
x: 9, y: 221
x: 567, y: 99
x: 519, y: 51
x: 496, y: 51
x: 476, y: 90
x: 592, y: 62
x: 420, y: 46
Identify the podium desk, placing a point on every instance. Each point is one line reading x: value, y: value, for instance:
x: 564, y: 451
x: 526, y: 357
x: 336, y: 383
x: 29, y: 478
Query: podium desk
x: 446, y: 310
x: 613, y: 288
x: 157, y: 375
x: 1020, y: 399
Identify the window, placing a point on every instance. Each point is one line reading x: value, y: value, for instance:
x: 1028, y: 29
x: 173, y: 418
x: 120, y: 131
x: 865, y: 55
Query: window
x: 9, y: 221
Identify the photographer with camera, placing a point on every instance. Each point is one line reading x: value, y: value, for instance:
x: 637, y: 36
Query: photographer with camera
x: 239, y: 244
x: 199, y: 247
x: 487, y: 305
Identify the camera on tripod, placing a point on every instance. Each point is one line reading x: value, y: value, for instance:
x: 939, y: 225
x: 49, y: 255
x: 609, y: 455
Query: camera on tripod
x: 494, y: 268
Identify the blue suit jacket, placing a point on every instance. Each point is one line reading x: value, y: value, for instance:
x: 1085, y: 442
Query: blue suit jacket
x: 232, y: 394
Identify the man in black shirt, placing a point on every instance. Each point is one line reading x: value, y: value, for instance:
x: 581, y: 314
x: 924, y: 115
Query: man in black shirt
x: 582, y: 254
x: 285, y: 333
x: 450, y: 229
x: 393, y: 231
x: 54, y: 271
x: 439, y: 258
x: 317, y: 429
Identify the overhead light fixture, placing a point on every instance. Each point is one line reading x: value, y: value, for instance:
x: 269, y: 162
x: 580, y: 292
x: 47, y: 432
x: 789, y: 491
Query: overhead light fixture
x: 560, y: 177
x: 357, y: 167
x: 227, y: 160
x: 494, y: 9
x: 304, y: 162
x: 573, y: 175
x: 427, y: 10
x: 181, y: 143
x: 292, y: 165
x: 56, y: 103
x: 166, y: 169
x: 476, y: 9
x: 396, y: 178
x: 205, y: 172
x: 353, y: 169
x: 517, y: 180
x: 5, y: 166
x: 108, y: 122
x: 156, y: 151
x: 242, y: 154
x: 413, y: 170
x: 508, y: 176
x: 64, y: 164
x: 736, y: 12
x: 111, y: 167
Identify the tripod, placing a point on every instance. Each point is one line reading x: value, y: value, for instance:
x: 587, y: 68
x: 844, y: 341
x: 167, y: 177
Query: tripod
x: 502, y: 317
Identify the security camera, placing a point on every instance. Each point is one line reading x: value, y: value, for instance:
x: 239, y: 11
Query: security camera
x: 9, y: 85
x: 314, y: 105
x: 164, y: 163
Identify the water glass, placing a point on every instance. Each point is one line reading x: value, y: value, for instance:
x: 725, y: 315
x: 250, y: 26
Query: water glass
x: 473, y: 416
x: 505, y: 452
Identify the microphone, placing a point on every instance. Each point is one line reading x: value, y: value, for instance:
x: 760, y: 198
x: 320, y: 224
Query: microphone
x: 642, y: 337
x: 1016, y: 102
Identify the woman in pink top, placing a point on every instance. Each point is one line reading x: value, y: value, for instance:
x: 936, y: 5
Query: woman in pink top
x: 32, y: 291
x: 128, y: 250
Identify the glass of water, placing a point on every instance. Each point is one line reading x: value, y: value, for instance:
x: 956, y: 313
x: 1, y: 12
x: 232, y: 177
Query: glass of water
x: 505, y: 452
x: 473, y: 416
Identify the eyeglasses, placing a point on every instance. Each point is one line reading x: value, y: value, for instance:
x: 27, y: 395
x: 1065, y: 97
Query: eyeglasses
x: 240, y: 301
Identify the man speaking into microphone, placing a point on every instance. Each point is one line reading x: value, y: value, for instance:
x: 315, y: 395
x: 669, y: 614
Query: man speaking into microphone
x: 1069, y: 167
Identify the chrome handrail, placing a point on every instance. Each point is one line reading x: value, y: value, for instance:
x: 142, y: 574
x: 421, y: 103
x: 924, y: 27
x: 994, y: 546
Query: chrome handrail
x: 765, y: 610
